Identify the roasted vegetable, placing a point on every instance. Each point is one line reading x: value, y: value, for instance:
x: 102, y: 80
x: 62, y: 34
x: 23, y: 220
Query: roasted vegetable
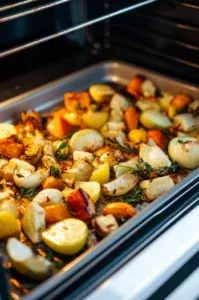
x: 59, y: 127
x: 131, y: 117
x: 10, y: 148
x: 86, y: 140
x: 81, y: 205
x: 93, y: 189
x: 56, y: 212
x: 156, y: 187
x: 158, y: 137
x: 101, y: 92
x: 119, y: 210
x: 76, y: 101
x: 8, y: 224
x: 7, y: 130
x: 154, y: 119
x: 185, y: 151
x: 67, y: 237
x: 105, y: 225
x: 53, y: 183
x: 95, y: 119
x: 135, y: 87
x: 120, y: 186
x: 25, y: 262
x: 33, y: 222
x: 101, y: 174
x: 137, y: 136
x: 154, y: 156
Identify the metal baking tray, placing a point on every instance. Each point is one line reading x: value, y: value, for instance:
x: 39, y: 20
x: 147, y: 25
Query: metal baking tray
x: 51, y: 95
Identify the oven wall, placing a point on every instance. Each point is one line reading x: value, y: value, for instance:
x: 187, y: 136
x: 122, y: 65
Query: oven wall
x: 163, y: 36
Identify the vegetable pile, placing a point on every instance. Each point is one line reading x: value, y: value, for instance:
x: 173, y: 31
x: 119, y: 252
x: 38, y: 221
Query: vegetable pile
x: 88, y: 167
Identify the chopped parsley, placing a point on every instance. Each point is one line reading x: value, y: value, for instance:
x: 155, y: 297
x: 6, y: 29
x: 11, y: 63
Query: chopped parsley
x: 29, y: 193
x: 55, y: 172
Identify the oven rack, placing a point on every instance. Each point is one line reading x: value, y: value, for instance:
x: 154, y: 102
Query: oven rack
x: 83, y: 23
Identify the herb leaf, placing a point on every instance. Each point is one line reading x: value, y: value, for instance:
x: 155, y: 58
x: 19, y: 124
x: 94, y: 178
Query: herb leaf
x: 29, y: 193
x: 135, y: 195
x: 70, y: 134
x: 55, y: 172
x: 59, y: 154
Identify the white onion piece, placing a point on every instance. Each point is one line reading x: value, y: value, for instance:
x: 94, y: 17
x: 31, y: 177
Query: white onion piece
x: 154, y: 156
x: 184, y: 151
x: 186, y: 122
x: 154, y: 119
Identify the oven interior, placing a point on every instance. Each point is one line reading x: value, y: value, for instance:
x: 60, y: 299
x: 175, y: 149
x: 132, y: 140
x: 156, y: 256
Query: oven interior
x: 160, y: 36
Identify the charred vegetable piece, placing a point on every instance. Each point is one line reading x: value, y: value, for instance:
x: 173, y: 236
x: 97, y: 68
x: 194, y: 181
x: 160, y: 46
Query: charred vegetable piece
x: 92, y: 188
x: 81, y: 205
x: 25, y: 262
x: 67, y: 237
x: 105, y: 225
x: 10, y: 148
x: 56, y: 212
x: 119, y: 210
x: 180, y: 101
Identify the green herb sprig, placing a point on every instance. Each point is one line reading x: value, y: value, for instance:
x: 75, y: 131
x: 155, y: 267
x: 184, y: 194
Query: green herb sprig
x: 55, y: 172
x: 29, y: 193
x: 59, y: 155
x: 136, y: 195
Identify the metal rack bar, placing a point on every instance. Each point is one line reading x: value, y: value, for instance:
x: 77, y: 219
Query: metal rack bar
x: 32, y: 11
x: 14, y: 5
x: 72, y: 29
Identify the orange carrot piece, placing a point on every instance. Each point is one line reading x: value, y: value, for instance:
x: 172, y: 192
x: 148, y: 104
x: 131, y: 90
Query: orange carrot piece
x: 159, y: 138
x: 134, y: 87
x: 131, y: 117
x: 59, y: 127
x: 180, y: 101
x: 59, y: 112
x: 56, y: 212
x: 53, y: 183
x: 76, y: 101
x: 119, y: 210
x: 10, y: 148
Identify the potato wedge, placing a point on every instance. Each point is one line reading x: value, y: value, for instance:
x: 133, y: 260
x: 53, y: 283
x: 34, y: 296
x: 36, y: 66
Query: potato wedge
x: 67, y: 237
x: 105, y: 225
x: 95, y: 119
x: 101, y: 92
x: 83, y: 155
x: 25, y: 262
x: 33, y: 222
x: 156, y: 187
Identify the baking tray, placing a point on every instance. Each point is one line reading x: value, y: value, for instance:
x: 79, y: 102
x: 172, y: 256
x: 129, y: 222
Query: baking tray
x: 51, y: 95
